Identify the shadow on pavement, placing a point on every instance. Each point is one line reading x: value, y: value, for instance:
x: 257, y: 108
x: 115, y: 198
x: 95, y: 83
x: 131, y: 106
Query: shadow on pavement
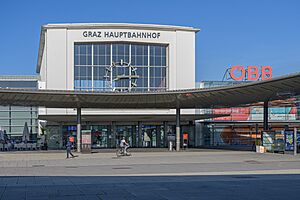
x: 151, y: 187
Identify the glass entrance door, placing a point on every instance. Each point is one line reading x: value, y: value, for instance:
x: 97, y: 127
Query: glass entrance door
x: 149, y: 136
x: 101, y: 136
x: 127, y: 131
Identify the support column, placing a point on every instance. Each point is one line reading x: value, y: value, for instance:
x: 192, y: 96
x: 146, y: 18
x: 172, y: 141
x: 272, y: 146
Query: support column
x: 78, y: 130
x: 140, y: 142
x: 266, y: 120
x: 132, y: 136
x: 295, y: 141
x: 266, y: 115
x: 165, y: 134
x: 113, y: 132
x: 256, y: 133
x: 191, y: 134
x: 158, y: 136
x: 177, y: 129
x: 61, y: 136
x: 213, y: 135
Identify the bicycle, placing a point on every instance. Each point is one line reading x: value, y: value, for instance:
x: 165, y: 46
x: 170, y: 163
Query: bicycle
x: 120, y: 152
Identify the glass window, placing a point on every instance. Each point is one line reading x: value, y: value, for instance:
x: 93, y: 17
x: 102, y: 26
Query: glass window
x: 20, y: 108
x: 4, y: 108
x: 120, y: 52
x: 18, y: 129
x: 4, y: 114
x: 4, y: 122
x: 139, y: 55
x: 21, y: 115
x: 97, y: 58
x: 20, y: 122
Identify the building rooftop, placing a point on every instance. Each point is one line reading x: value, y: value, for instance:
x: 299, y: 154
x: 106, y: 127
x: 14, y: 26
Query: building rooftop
x: 156, y: 27
x: 121, y: 26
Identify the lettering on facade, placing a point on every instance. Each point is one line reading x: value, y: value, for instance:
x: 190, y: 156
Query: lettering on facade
x: 251, y: 73
x: 120, y: 35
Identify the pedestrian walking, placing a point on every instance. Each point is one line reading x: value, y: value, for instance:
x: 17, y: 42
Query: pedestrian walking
x: 69, y: 147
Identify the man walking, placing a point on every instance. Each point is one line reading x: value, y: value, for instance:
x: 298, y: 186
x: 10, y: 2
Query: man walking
x: 69, y: 147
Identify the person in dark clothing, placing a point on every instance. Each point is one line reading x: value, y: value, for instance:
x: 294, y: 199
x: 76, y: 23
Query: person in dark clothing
x: 69, y: 147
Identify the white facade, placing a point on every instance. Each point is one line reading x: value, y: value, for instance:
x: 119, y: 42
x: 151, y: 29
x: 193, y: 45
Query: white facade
x: 56, y: 56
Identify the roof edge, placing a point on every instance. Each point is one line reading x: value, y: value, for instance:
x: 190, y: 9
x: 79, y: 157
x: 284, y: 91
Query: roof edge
x: 122, y: 26
x: 41, y: 50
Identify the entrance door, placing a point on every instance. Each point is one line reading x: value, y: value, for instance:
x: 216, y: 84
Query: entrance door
x: 127, y: 131
x: 101, y: 136
x: 149, y: 136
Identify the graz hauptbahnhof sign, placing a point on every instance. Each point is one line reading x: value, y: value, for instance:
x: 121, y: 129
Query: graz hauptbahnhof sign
x: 121, y: 34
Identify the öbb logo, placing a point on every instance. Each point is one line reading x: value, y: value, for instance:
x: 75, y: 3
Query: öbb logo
x: 252, y: 73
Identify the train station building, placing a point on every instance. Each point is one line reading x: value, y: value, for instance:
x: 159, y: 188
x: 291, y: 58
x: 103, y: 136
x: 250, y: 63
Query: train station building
x: 116, y: 58
x: 131, y: 80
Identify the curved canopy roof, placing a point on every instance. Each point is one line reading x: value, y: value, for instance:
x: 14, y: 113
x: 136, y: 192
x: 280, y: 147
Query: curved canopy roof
x: 230, y: 96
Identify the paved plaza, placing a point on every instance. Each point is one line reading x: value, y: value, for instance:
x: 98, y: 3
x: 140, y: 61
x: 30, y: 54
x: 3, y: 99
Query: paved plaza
x: 200, y: 174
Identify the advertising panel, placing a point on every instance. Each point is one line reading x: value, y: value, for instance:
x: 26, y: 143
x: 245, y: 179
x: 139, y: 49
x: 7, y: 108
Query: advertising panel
x: 268, y: 140
x: 236, y: 114
x: 277, y: 113
x: 289, y: 140
x: 86, y: 136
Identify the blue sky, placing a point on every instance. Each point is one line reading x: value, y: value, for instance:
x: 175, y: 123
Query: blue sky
x: 233, y: 32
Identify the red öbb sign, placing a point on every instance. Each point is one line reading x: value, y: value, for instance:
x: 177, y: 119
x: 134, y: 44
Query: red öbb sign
x: 252, y: 74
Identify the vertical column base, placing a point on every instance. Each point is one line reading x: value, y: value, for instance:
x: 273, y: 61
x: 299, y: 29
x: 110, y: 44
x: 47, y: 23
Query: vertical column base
x: 295, y: 141
x: 177, y: 138
x: 114, y: 135
x: 79, y: 130
x: 165, y: 134
x: 177, y: 129
x: 78, y: 138
x: 140, y: 142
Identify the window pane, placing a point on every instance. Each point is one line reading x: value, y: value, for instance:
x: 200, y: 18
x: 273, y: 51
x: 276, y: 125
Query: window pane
x: 20, y: 108
x: 20, y: 122
x: 4, y: 108
x: 21, y: 114
x: 163, y: 61
x: 4, y: 114
x: 4, y: 122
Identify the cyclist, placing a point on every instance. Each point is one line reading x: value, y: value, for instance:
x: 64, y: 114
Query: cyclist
x: 124, y: 145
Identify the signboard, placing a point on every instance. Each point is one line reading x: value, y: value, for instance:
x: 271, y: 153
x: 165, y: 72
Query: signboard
x: 121, y: 34
x: 86, y: 137
x: 237, y: 114
x: 276, y: 113
x: 289, y: 140
x: 86, y: 141
x: 251, y: 73
x: 268, y: 140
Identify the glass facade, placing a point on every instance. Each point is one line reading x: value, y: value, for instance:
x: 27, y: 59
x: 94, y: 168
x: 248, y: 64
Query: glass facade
x: 243, y: 125
x: 109, y: 135
x: 120, y: 67
x: 13, y: 118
